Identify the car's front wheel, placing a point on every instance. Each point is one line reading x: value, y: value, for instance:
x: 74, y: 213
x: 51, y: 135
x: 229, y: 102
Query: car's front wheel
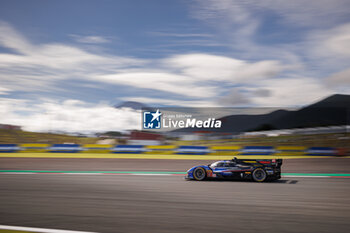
x: 259, y: 175
x: 199, y: 174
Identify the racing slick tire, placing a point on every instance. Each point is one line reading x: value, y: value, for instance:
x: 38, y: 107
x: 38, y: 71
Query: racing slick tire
x: 259, y: 175
x: 199, y: 173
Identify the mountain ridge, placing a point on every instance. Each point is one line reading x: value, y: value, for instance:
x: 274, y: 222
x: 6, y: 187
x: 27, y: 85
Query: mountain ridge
x: 330, y: 111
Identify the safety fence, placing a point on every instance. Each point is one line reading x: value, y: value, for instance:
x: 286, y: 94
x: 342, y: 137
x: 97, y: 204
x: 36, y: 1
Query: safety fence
x: 172, y: 149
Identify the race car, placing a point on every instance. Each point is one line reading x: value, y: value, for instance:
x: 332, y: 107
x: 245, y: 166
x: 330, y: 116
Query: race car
x: 258, y: 170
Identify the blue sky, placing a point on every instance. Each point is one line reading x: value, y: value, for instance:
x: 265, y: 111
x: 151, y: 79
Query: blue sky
x: 88, y: 54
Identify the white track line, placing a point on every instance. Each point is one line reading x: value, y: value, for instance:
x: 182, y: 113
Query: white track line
x: 19, y: 173
x: 41, y: 230
x: 306, y: 176
x: 81, y: 173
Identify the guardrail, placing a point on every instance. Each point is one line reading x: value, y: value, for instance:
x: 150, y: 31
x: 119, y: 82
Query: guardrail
x: 172, y: 149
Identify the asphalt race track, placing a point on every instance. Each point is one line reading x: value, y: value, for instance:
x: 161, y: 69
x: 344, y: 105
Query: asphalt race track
x: 126, y: 203
x: 320, y: 165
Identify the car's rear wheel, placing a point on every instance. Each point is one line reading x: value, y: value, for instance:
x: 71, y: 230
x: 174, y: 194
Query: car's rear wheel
x: 199, y: 173
x: 259, y: 175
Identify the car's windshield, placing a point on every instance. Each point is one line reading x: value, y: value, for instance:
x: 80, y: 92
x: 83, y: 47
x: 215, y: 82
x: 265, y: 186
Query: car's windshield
x: 222, y: 164
x: 216, y: 164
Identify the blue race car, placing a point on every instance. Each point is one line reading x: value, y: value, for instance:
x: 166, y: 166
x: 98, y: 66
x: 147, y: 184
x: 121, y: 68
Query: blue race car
x: 258, y: 170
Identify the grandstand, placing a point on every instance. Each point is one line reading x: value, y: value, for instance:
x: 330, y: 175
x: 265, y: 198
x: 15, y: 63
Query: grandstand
x: 18, y: 136
x: 339, y: 140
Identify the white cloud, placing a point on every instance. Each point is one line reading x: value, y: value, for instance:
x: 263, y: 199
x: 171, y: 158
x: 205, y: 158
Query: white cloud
x: 38, y: 66
x: 192, y: 75
x: 244, y: 26
x: 234, y: 98
x: 4, y: 90
x: 171, y: 102
x: 221, y: 68
x: 316, y: 50
x: 297, y: 12
x: 197, y: 79
x: 180, y: 35
x: 90, y: 39
x: 189, y: 75
x: 327, y: 51
x: 293, y: 91
x: 232, y: 18
x: 10, y: 38
x: 237, y: 25
x: 332, y: 42
x: 306, y: 13
x: 340, y: 81
x: 167, y: 82
x: 68, y: 116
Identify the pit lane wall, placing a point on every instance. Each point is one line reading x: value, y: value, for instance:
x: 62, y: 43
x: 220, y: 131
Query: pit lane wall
x: 172, y: 149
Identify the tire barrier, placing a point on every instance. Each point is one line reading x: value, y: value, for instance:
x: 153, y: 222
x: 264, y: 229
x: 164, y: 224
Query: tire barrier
x: 131, y: 149
x: 65, y: 148
x: 172, y: 149
x: 9, y: 148
x: 192, y: 150
x: 34, y: 147
x: 321, y: 151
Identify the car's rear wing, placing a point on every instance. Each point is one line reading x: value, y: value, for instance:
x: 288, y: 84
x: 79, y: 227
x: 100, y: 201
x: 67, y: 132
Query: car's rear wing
x: 267, y: 162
